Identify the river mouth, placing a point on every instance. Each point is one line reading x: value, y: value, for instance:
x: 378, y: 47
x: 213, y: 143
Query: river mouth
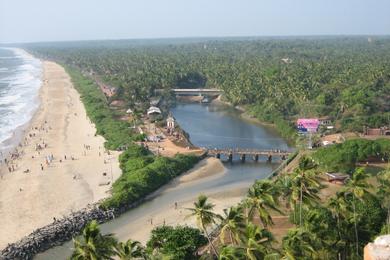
x: 211, y: 126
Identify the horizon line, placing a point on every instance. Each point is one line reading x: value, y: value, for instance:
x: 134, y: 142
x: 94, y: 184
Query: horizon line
x: 198, y: 37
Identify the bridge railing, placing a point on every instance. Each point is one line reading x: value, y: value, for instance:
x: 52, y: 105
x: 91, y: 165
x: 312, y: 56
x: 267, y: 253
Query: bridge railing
x: 246, y: 150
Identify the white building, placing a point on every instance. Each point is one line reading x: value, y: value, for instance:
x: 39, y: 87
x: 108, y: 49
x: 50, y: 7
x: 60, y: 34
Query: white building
x: 153, y: 110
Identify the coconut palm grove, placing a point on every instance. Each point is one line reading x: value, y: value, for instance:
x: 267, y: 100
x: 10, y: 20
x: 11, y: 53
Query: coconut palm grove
x: 276, y: 81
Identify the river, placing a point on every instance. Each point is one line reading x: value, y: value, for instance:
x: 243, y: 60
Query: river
x: 212, y: 126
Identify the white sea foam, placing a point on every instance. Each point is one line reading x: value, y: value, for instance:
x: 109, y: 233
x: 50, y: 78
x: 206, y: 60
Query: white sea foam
x: 19, y: 94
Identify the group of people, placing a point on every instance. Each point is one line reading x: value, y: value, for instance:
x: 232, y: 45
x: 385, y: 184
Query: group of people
x: 12, y: 157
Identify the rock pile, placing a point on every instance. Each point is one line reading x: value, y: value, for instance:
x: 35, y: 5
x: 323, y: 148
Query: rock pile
x: 56, y: 233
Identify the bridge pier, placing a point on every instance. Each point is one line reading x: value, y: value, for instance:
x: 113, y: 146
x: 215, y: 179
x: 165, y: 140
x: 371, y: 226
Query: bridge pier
x: 230, y: 157
x: 243, y: 153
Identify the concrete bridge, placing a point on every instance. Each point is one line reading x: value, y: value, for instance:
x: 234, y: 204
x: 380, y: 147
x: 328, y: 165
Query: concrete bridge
x: 243, y: 153
x: 193, y: 91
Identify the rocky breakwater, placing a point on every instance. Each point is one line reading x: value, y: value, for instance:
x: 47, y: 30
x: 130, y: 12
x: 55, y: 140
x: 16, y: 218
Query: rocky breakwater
x: 56, y: 233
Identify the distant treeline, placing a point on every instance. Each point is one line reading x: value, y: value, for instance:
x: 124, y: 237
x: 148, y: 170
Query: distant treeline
x: 278, y: 79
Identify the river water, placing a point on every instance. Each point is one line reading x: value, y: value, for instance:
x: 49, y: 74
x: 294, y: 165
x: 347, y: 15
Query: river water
x: 212, y: 126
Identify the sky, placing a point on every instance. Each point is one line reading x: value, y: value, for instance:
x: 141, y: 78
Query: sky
x: 67, y: 20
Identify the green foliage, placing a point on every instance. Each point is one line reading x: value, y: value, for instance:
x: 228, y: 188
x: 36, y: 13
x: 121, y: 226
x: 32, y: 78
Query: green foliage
x: 143, y: 174
x: 93, y: 245
x: 115, y: 132
x: 179, y: 242
x: 343, y: 157
x: 371, y: 216
x: 298, y: 244
x: 130, y: 250
x: 346, y: 78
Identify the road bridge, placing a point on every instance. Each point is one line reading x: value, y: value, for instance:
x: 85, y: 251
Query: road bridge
x: 243, y: 153
x: 193, y: 91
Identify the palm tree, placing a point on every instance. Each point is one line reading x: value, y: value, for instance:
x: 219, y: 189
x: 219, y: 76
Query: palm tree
x: 339, y: 207
x: 203, y: 212
x: 298, y: 244
x: 231, y: 253
x: 257, y: 243
x: 384, y: 193
x: 300, y: 188
x: 307, y: 181
x: 232, y: 224
x: 130, y: 250
x: 305, y: 187
x: 92, y: 245
x: 358, y: 187
x: 261, y: 197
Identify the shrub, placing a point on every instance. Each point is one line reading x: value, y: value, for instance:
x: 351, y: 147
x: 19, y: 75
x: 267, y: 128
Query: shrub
x: 179, y: 242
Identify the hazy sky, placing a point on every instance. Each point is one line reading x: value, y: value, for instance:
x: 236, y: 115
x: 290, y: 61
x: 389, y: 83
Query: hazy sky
x: 57, y: 20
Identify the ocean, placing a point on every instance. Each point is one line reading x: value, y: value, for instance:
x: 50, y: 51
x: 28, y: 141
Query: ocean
x: 20, y: 80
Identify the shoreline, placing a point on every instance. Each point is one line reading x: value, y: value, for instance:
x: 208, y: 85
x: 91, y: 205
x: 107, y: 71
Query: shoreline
x: 13, y: 142
x: 60, y: 126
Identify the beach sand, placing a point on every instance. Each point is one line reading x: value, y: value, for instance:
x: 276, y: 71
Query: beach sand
x: 31, y: 200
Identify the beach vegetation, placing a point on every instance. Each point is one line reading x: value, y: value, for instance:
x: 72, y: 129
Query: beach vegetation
x: 205, y: 217
x: 180, y: 242
x: 93, y: 245
x: 142, y: 175
x: 130, y: 249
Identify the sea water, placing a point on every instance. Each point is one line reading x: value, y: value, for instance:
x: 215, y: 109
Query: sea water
x: 20, y: 80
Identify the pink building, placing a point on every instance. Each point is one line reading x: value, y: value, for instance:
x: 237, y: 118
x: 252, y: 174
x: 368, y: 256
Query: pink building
x: 308, y: 124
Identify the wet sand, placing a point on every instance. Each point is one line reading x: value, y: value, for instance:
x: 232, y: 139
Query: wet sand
x: 44, y: 184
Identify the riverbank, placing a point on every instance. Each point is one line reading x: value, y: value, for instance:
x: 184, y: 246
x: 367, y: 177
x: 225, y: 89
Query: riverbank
x: 60, y: 164
x: 281, y: 126
x: 205, y: 170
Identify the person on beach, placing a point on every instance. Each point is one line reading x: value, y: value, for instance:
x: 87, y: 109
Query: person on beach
x: 175, y: 205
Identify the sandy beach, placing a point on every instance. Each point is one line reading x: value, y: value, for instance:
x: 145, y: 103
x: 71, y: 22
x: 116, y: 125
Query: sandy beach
x: 60, y: 164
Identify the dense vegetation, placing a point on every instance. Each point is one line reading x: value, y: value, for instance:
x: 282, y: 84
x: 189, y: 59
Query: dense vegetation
x: 337, y: 228
x: 276, y: 80
x: 142, y: 173
x: 176, y: 243
x: 344, y: 156
x: 166, y: 242
x: 347, y: 78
